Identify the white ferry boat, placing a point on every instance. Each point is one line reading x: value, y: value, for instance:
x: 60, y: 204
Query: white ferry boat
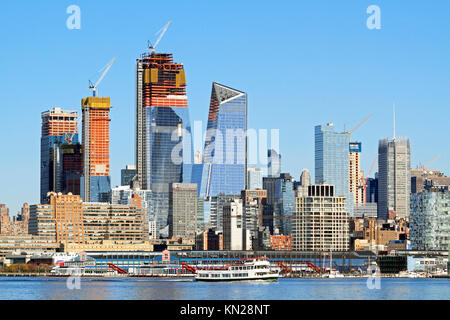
x: 251, y: 269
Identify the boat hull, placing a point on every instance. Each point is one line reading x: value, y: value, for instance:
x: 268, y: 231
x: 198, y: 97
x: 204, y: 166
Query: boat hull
x: 236, y: 279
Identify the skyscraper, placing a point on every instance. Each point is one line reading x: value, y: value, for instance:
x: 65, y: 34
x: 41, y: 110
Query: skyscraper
x: 273, y: 164
x: 127, y: 175
x: 95, y: 182
x: 163, y: 142
x: 183, y: 207
x: 58, y: 127
x: 356, y: 175
x: 302, y: 185
x: 254, y: 178
x: 332, y: 161
x: 394, y: 177
x: 225, y: 153
x: 280, y: 201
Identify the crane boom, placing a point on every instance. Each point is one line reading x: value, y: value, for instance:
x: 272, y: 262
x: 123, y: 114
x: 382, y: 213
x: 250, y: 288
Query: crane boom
x: 161, y: 32
x: 106, y: 69
x: 431, y: 161
x: 361, y: 123
x: 367, y: 177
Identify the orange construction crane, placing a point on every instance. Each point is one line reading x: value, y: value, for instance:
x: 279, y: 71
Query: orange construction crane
x: 367, y: 177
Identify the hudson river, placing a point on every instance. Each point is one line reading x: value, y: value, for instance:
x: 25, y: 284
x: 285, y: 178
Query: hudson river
x: 24, y: 288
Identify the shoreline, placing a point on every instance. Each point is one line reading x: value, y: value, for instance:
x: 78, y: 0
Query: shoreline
x: 48, y: 275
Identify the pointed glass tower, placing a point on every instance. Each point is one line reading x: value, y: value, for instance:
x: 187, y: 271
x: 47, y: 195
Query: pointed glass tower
x: 225, y: 154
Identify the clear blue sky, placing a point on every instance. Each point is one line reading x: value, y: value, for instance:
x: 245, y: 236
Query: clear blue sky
x: 302, y: 63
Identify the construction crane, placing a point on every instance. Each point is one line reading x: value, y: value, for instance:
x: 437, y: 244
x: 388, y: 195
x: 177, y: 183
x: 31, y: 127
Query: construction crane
x: 161, y: 32
x: 367, y: 177
x: 423, y: 167
x: 358, y: 125
x: 105, y: 69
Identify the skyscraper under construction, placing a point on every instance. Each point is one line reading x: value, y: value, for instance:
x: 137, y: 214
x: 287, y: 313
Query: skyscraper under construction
x: 59, y: 132
x: 163, y: 142
x: 95, y: 182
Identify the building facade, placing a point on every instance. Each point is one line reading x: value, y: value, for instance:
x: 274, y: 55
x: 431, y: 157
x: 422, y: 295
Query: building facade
x: 127, y: 175
x: 163, y: 133
x: 321, y: 221
x: 430, y: 220
x: 59, y: 127
x: 183, y: 210
x: 356, y: 175
x: 96, y: 181
x: 394, y: 178
x: 235, y: 236
x: 224, y: 167
x: 281, y: 201
x: 273, y: 163
x: 332, y: 161
x: 254, y: 178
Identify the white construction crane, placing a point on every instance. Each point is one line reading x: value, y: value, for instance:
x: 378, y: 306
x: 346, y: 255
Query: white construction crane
x: 161, y: 32
x: 93, y: 87
x: 358, y: 125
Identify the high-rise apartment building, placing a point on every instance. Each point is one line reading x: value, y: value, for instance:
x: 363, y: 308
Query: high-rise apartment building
x: 254, y: 178
x: 225, y: 153
x: 332, y: 161
x: 394, y: 177
x: 96, y: 181
x: 163, y: 141
x: 59, y: 127
x: 430, y: 220
x: 321, y: 221
x: 183, y: 207
x: 356, y: 175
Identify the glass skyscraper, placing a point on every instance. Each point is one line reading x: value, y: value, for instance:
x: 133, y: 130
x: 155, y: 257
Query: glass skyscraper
x: 280, y: 201
x: 164, y: 152
x: 224, y: 168
x: 332, y: 161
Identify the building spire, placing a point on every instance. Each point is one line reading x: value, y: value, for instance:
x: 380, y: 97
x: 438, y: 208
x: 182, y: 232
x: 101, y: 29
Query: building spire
x: 394, y: 121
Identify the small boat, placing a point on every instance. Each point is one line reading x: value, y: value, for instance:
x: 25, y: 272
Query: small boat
x: 249, y: 269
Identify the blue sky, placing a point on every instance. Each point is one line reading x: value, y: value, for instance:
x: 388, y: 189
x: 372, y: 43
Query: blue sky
x: 302, y: 63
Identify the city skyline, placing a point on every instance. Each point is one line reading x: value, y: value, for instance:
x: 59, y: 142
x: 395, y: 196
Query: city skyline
x: 51, y: 92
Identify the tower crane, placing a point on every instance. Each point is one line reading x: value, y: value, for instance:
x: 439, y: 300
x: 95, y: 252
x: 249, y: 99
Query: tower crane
x: 364, y: 181
x: 424, y: 166
x: 358, y: 125
x: 161, y: 34
x: 105, y: 69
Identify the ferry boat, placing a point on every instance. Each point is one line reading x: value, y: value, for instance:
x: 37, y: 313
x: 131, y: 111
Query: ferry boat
x: 249, y: 269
